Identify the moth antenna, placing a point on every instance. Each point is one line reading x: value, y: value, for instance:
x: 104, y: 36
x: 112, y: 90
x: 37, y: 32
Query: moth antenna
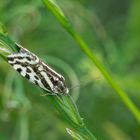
x: 81, y: 83
x: 70, y: 88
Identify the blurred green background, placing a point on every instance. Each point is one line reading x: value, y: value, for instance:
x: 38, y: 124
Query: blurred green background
x: 112, y: 30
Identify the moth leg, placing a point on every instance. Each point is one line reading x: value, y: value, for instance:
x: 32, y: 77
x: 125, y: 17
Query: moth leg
x: 48, y: 94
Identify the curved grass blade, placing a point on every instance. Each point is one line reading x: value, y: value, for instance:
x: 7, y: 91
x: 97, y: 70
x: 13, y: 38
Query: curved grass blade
x: 56, y: 10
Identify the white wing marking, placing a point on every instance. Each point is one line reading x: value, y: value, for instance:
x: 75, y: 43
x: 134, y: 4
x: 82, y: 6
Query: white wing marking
x: 47, y: 79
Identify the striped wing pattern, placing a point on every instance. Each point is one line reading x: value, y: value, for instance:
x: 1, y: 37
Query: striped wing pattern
x: 37, y: 72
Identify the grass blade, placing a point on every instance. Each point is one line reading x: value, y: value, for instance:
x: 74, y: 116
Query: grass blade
x: 56, y: 10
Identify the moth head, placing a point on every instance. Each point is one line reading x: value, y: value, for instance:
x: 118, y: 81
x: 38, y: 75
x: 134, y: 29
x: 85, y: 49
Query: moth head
x: 60, y: 85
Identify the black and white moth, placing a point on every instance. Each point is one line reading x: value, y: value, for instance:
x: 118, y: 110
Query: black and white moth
x: 37, y: 72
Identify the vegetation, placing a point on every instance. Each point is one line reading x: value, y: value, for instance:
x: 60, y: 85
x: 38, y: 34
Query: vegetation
x: 112, y: 38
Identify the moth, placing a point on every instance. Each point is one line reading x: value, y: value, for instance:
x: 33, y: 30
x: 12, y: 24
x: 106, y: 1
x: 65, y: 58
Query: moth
x: 37, y: 72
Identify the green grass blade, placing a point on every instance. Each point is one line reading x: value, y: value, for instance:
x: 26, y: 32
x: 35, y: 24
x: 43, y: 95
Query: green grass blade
x: 56, y: 10
x: 64, y: 104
